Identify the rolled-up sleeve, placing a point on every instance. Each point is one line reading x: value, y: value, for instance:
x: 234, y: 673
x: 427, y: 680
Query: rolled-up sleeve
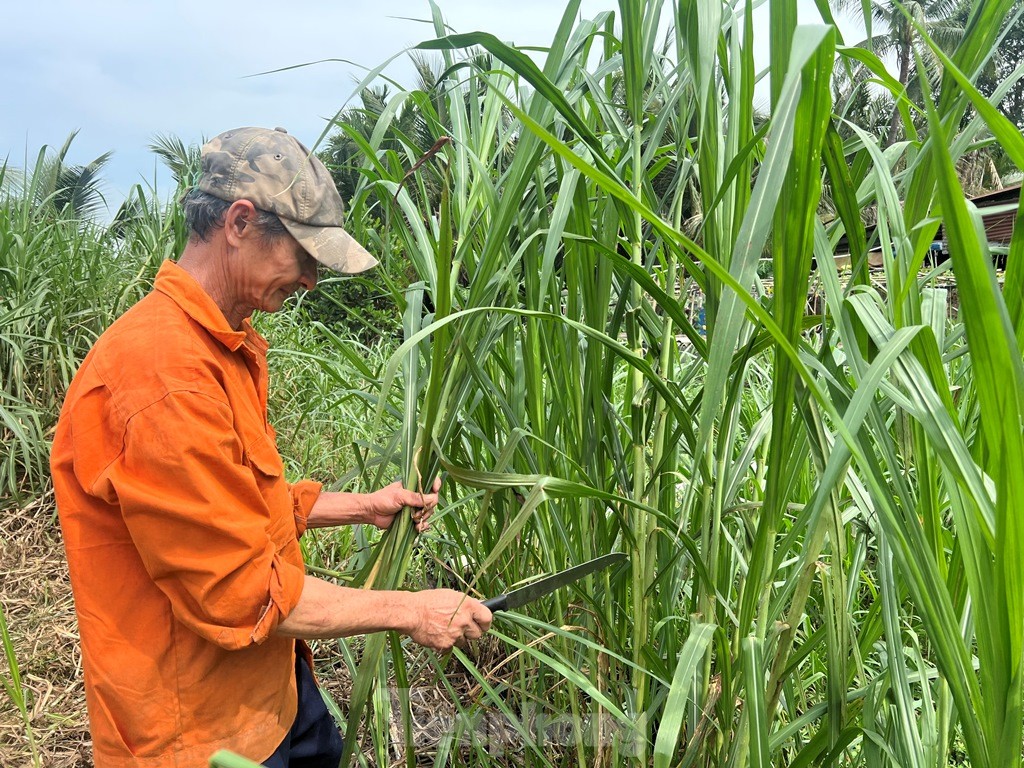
x: 304, y: 496
x: 204, y: 529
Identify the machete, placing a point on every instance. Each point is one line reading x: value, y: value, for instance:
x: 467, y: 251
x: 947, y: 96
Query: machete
x: 518, y: 597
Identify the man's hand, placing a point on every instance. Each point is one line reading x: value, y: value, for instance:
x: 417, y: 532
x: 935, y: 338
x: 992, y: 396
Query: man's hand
x: 383, y: 506
x: 445, y: 618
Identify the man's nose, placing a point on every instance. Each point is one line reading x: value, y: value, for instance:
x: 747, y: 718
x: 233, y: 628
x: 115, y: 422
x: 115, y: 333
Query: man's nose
x: 308, y: 278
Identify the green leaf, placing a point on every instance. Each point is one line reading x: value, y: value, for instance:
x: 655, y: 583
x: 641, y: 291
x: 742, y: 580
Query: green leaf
x: 682, y: 680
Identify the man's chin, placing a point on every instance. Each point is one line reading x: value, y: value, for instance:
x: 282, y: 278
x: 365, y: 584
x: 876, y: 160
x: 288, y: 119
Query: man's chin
x: 275, y: 302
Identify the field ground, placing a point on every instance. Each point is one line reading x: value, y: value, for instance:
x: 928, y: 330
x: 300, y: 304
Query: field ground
x: 36, y: 597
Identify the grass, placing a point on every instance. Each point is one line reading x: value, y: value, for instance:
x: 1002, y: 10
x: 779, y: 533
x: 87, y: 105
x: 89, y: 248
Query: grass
x: 14, y: 689
x: 63, y: 279
x: 799, y: 495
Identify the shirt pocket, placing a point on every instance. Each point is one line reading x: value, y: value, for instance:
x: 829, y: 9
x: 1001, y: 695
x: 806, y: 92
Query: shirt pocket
x: 262, y: 458
x: 261, y: 455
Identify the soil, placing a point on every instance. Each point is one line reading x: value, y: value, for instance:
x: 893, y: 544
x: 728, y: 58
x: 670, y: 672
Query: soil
x: 36, y: 599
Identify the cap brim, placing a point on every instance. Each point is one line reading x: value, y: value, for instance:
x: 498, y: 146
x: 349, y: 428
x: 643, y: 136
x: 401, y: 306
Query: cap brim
x: 331, y: 246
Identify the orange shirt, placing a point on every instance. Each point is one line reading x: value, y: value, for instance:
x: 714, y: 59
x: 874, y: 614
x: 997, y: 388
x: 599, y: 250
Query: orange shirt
x: 181, y: 535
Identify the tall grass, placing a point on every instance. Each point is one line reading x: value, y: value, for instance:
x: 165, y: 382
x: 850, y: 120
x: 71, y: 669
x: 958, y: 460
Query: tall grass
x: 825, y: 567
x: 63, y: 279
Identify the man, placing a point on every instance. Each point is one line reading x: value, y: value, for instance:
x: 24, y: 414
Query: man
x: 181, y: 531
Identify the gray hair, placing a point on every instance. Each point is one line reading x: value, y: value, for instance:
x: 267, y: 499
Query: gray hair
x: 204, y: 214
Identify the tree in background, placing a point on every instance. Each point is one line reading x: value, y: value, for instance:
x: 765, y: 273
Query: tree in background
x: 56, y: 186
x: 988, y: 167
x: 860, y: 102
x: 897, y: 37
x: 857, y: 103
x: 366, y: 305
x: 1008, y: 57
x: 182, y: 160
x: 410, y: 129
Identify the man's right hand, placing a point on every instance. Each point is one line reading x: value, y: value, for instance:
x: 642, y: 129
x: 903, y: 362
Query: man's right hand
x: 444, y: 617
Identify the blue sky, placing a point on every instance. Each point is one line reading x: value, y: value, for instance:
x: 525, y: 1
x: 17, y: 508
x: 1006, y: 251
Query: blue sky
x: 123, y: 72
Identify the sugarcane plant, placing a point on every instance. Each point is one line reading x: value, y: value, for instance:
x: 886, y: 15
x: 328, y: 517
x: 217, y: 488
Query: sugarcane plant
x: 63, y: 278
x: 825, y: 564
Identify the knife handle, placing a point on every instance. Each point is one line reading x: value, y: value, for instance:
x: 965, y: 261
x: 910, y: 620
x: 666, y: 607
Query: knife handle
x: 498, y: 603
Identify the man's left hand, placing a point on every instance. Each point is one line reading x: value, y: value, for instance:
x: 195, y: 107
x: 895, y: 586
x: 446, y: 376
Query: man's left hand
x: 383, y: 506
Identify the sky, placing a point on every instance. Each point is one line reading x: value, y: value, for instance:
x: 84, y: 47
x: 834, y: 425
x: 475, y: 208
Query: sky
x: 122, y: 73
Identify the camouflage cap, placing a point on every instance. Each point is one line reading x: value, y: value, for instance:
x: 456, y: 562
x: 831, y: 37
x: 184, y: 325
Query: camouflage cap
x: 276, y: 173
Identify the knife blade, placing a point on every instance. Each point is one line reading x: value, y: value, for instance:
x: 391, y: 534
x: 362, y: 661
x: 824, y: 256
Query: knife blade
x: 519, y: 597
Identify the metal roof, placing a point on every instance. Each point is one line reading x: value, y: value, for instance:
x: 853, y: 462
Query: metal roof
x: 998, y: 225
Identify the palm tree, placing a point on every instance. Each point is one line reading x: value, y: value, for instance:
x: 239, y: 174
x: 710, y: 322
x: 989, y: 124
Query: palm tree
x: 341, y: 153
x: 855, y: 101
x: 982, y: 169
x: 55, y: 186
x: 1007, y: 57
x: 941, y: 19
x: 182, y: 160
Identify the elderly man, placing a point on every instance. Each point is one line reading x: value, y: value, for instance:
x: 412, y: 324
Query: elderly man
x: 181, y: 531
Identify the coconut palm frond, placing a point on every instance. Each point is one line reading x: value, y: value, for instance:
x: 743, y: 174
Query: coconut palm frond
x: 183, y: 160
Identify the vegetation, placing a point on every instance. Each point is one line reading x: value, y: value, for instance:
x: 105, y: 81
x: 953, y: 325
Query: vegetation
x: 63, y: 279
x: 816, y: 526
x: 825, y: 564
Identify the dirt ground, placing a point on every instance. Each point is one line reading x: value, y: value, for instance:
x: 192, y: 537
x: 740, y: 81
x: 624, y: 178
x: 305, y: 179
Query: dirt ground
x: 36, y: 598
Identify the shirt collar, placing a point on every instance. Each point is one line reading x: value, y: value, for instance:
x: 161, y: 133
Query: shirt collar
x: 195, y: 302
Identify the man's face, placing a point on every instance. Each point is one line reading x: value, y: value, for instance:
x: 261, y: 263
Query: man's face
x: 280, y: 267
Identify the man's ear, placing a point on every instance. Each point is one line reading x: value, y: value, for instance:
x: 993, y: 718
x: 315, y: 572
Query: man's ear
x: 238, y: 221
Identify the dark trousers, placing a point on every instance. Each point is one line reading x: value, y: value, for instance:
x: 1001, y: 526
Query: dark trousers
x: 314, y: 740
